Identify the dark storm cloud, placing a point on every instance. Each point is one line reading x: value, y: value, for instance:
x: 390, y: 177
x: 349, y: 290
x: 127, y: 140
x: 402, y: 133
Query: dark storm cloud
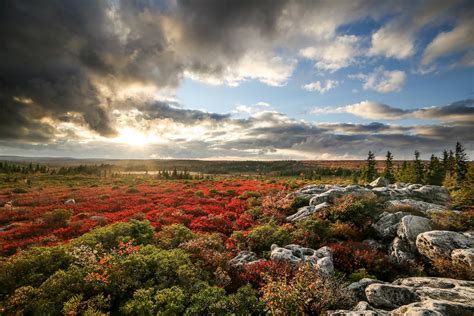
x: 53, y: 53
x: 163, y: 110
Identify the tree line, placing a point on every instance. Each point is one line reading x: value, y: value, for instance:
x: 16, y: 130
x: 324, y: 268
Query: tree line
x: 451, y: 167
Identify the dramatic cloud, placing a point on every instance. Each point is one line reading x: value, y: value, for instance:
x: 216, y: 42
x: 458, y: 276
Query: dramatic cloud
x: 321, y: 87
x: 461, y: 111
x: 382, y: 80
x: 396, y: 39
x: 459, y: 39
x: 96, y: 77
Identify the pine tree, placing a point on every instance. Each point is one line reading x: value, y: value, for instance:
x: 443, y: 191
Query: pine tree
x: 388, y: 171
x: 371, y: 171
x: 461, y: 165
x: 418, y: 168
x: 435, y: 173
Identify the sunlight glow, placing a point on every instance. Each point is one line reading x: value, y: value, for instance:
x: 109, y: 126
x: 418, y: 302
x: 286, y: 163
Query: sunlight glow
x: 133, y: 137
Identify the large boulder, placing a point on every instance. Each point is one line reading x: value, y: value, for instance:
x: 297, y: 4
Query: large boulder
x: 242, y: 258
x: 434, y: 307
x: 379, y: 182
x: 438, y: 244
x: 411, y: 226
x: 295, y: 254
x: 413, y: 296
x: 420, y: 206
x: 433, y: 194
x: 387, y: 225
x: 389, y: 295
x: 445, y: 289
x: 358, y: 288
x: 306, y: 211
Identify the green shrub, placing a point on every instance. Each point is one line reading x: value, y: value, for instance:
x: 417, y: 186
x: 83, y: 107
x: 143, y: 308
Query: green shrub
x: 171, y: 236
x: 307, y: 293
x: 355, y: 208
x: 299, y: 202
x: 260, y: 238
x: 310, y: 232
x: 57, y: 218
x: 19, y: 190
x: 110, y: 236
x: 132, y: 190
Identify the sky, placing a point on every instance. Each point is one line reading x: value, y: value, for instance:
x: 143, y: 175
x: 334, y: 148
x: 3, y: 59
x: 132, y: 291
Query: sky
x: 247, y: 80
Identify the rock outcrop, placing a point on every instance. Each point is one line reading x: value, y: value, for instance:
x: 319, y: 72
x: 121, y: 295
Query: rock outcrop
x: 420, y: 206
x: 294, y: 254
x: 387, y: 225
x: 379, y: 182
x: 306, y: 211
x: 411, y: 226
x: 415, y: 296
x: 244, y: 257
x: 438, y: 244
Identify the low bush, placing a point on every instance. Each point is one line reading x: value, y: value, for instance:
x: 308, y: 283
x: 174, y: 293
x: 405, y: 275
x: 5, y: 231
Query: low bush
x: 260, y: 238
x: 308, y: 292
x: 57, y: 218
x: 456, y: 221
x: 358, y: 209
x: 171, y: 236
x: 299, y: 202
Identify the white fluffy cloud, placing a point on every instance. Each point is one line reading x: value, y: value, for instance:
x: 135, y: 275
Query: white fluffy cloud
x: 460, y: 38
x: 334, y: 54
x: 320, y: 86
x: 382, y: 80
x: 392, y: 43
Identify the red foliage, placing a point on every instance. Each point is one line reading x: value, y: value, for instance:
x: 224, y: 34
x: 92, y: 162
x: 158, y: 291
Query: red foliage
x: 350, y: 256
x: 164, y: 203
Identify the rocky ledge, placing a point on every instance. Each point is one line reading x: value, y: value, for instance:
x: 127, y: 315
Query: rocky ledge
x: 413, y: 296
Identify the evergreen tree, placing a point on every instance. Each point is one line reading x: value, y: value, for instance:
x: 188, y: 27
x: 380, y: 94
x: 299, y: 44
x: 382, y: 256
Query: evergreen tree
x: 435, y: 172
x: 371, y: 170
x: 388, y: 171
x: 418, y: 168
x: 461, y: 165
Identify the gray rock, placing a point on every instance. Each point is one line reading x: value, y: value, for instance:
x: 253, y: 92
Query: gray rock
x: 400, y: 252
x: 379, y: 182
x: 432, y: 288
x: 464, y: 257
x: 242, y: 258
x: 432, y: 307
x: 70, y: 201
x: 306, y: 211
x: 362, y: 308
x: 389, y: 295
x: 387, y: 225
x: 295, y: 254
x: 420, y: 206
x: 327, y: 196
x: 434, y: 194
x: 439, y: 243
x: 410, y: 227
x: 358, y: 288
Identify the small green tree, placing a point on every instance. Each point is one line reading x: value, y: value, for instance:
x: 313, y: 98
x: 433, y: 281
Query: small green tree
x: 461, y: 163
x: 418, y: 168
x: 388, y: 171
x: 435, y: 173
x: 371, y: 170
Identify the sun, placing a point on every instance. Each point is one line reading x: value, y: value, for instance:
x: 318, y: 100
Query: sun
x: 133, y: 137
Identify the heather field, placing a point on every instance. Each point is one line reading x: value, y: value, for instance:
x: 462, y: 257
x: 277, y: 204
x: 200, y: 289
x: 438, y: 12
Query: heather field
x: 48, y: 215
